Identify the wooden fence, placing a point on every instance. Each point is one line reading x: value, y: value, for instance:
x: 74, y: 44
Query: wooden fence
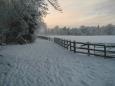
x: 44, y: 37
x: 96, y: 49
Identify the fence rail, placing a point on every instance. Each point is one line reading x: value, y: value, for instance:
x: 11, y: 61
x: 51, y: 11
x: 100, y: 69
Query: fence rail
x: 96, y: 49
x: 44, y: 37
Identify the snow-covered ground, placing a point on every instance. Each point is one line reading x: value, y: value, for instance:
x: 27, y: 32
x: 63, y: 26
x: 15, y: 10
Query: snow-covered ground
x: 93, y: 39
x: 44, y: 63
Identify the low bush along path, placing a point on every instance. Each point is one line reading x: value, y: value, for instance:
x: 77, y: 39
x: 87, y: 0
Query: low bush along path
x: 44, y: 63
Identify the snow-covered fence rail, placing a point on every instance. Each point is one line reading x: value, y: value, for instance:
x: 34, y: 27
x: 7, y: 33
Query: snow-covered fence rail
x: 96, y: 49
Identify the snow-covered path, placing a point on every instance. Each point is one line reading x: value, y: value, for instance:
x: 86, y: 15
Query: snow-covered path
x: 44, y: 63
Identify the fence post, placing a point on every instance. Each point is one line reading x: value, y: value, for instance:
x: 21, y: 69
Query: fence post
x: 70, y: 46
x: 64, y: 43
x: 54, y: 40
x: 74, y: 44
x: 94, y: 49
x: 88, y: 45
x: 105, y: 51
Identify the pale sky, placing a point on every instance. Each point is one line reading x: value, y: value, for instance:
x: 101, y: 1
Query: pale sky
x: 82, y: 12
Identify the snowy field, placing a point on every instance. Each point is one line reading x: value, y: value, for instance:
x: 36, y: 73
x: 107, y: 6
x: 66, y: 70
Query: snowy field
x: 93, y: 39
x: 44, y: 63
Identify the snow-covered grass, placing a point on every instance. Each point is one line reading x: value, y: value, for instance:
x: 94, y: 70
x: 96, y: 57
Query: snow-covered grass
x: 44, y: 63
x: 93, y: 39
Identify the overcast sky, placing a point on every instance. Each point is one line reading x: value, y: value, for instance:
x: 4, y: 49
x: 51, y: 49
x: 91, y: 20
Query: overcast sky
x: 82, y: 12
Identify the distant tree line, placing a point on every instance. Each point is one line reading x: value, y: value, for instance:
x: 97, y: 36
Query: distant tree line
x: 83, y: 30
